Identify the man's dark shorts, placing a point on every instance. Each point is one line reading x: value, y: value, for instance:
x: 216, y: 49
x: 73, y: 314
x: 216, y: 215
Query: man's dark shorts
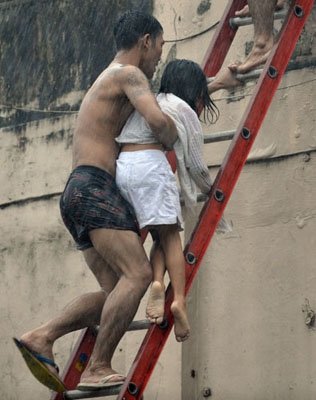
x: 91, y: 200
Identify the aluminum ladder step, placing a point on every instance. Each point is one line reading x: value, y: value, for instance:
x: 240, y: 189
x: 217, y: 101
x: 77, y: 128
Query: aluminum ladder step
x: 244, y: 21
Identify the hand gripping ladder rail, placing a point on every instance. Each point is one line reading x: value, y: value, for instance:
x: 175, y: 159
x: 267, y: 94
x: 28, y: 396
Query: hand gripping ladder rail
x: 212, y: 211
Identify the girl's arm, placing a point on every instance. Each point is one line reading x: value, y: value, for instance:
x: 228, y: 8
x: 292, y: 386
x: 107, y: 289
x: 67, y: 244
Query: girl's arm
x: 196, y: 165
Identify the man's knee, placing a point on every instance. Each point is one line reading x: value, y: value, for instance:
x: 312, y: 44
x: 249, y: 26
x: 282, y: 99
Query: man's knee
x: 148, y: 275
x: 144, y: 274
x: 140, y: 277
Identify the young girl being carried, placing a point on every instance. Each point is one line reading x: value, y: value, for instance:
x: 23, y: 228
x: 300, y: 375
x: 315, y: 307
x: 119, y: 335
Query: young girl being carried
x: 146, y: 180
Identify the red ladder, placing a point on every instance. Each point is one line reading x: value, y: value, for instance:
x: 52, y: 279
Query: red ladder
x: 212, y: 211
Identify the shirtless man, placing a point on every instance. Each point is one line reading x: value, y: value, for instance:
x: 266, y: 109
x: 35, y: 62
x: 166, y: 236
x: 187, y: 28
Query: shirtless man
x: 262, y: 14
x: 101, y: 222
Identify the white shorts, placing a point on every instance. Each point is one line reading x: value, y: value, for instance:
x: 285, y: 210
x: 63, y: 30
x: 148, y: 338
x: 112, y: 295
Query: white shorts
x: 147, y: 182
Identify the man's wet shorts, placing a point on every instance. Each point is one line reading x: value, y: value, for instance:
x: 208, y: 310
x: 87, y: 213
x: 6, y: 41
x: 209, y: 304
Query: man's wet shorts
x: 91, y: 200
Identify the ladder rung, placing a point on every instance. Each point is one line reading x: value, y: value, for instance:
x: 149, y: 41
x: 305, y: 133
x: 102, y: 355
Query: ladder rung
x: 135, y: 325
x: 218, y: 137
x: 139, y: 325
x: 200, y: 198
x: 249, y: 75
x: 80, y: 394
x: 243, y: 21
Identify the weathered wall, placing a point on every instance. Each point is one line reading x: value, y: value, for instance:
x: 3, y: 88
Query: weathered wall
x: 50, y: 49
x: 249, y: 339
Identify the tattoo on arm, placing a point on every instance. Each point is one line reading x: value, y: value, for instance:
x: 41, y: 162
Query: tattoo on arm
x: 136, y: 85
x: 135, y: 79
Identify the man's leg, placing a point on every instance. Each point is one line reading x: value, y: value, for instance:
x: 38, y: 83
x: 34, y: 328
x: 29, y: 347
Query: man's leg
x: 82, y: 312
x: 244, y: 12
x: 123, y: 250
x: 262, y: 14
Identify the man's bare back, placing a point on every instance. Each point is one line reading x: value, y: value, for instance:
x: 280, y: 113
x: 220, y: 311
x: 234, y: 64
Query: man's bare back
x: 102, y: 114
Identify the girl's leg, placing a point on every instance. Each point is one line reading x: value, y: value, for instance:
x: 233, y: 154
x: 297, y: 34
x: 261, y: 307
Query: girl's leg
x: 172, y: 247
x: 156, y: 302
x: 157, y: 259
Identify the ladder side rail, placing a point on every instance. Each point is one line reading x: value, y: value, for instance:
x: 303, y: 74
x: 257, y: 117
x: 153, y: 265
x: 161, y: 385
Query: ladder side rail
x: 77, y: 361
x: 221, y: 43
x: 239, y: 149
x: 89, y: 394
x: 224, y: 183
x: 221, y: 40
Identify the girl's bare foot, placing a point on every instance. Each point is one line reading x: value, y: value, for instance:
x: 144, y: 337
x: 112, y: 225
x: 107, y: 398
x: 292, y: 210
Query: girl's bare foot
x: 181, y: 323
x: 156, y: 303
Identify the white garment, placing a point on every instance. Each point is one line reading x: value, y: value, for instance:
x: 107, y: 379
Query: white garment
x: 136, y: 130
x: 191, y: 169
x: 146, y: 181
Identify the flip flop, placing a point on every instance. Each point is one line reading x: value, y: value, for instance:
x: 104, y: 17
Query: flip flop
x: 105, y: 382
x: 36, y: 364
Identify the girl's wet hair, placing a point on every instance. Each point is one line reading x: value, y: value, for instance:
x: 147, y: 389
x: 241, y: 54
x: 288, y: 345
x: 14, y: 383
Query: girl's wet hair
x: 131, y: 26
x: 185, y: 79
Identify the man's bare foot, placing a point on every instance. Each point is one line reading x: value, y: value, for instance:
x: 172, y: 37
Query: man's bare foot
x: 38, y: 343
x: 156, y: 303
x: 244, y: 12
x: 181, y: 323
x: 258, y: 56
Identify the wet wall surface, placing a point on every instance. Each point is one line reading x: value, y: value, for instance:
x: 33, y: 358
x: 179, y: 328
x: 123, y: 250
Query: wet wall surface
x: 51, y: 48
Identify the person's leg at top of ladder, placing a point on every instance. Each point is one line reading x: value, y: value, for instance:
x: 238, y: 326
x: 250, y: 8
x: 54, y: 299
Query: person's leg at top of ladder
x: 167, y: 254
x: 245, y: 12
x: 262, y: 14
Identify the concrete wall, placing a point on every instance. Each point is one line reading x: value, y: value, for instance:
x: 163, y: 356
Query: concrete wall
x: 248, y: 305
x: 249, y: 338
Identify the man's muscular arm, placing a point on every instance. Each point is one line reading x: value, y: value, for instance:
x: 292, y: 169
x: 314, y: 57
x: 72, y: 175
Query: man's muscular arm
x: 136, y: 87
